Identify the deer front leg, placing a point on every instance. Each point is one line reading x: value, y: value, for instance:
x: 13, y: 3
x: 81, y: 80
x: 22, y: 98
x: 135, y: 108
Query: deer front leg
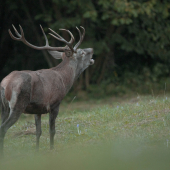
x: 52, y: 118
x: 38, y: 129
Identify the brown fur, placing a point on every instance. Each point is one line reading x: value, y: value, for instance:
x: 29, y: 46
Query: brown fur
x: 8, y: 91
x: 7, y: 85
x: 39, y: 92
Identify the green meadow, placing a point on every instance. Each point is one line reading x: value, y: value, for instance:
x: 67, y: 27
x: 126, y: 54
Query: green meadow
x: 112, y: 133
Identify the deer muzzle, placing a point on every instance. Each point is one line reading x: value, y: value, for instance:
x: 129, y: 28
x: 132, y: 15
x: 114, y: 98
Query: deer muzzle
x: 91, y: 61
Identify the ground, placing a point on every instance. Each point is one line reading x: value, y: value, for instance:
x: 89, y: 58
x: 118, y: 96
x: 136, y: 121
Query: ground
x: 129, y: 125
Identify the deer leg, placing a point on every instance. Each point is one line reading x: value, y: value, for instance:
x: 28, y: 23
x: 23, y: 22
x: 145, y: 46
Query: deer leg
x: 4, y: 113
x: 38, y: 129
x: 52, y: 118
x: 4, y: 117
x: 14, y: 116
x: 17, y: 105
x: 2, y: 135
x: 4, y: 107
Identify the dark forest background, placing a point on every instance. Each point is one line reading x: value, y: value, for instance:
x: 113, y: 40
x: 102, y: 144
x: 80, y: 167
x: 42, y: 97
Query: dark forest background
x: 131, y: 41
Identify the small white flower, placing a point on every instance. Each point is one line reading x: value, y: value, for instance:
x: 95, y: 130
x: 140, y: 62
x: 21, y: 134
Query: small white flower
x: 79, y: 131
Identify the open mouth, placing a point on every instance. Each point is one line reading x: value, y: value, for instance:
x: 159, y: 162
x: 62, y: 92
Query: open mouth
x: 91, y: 61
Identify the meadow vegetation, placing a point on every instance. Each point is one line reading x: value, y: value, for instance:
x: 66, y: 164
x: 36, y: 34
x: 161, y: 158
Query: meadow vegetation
x: 124, y: 132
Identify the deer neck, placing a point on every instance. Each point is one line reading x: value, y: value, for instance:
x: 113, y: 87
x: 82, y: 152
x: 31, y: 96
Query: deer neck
x: 67, y: 72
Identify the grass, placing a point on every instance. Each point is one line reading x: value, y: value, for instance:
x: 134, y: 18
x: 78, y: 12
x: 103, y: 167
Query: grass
x: 119, y: 131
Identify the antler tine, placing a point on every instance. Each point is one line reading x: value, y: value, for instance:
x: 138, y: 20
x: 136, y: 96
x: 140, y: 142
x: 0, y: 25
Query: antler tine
x: 21, y: 36
x: 81, y: 38
x: 62, y: 39
x: 79, y: 32
x: 46, y: 40
x: 83, y: 32
x: 72, y: 37
x: 12, y: 36
x: 22, y: 33
x: 16, y: 32
x: 55, y: 33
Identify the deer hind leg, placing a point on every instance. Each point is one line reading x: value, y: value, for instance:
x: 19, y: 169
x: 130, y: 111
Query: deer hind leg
x: 14, y: 115
x: 4, y: 107
x: 4, y: 113
x: 17, y: 105
x: 38, y: 129
x: 52, y: 118
x: 4, y: 117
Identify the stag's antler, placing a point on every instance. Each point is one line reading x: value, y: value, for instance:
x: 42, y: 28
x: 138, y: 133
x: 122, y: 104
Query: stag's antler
x: 63, y: 40
x: 81, y: 38
x: 21, y: 37
x: 69, y: 44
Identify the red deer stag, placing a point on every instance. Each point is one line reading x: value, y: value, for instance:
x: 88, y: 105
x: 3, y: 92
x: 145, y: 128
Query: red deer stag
x: 39, y: 92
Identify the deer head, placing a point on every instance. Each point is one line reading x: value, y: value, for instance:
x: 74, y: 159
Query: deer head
x: 78, y: 58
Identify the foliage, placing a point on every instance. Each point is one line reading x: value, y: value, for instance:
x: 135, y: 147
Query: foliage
x: 127, y: 36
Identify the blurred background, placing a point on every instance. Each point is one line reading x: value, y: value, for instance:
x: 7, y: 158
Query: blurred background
x: 131, y: 41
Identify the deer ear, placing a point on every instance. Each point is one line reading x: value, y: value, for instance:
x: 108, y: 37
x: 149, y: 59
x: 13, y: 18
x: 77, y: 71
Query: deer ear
x: 56, y: 54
